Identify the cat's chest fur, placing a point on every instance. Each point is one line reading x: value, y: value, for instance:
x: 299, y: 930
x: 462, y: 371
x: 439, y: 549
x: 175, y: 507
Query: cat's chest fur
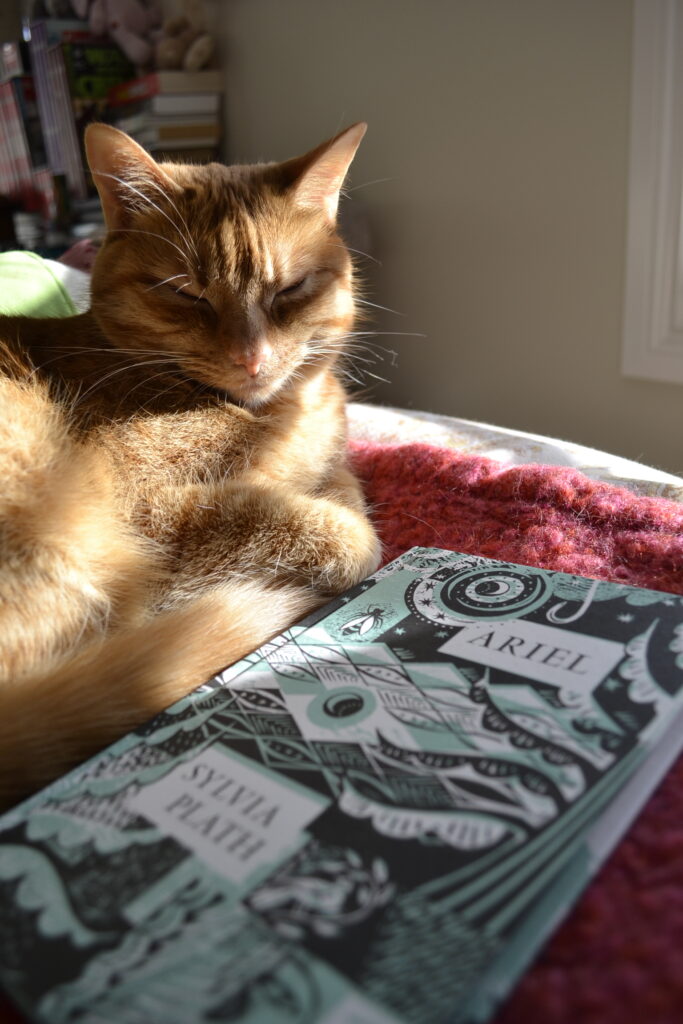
x: 293, y: 441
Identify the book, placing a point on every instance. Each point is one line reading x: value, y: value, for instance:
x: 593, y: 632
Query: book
x: 25, y: 93
x: 22, y: 152
x: 55, y: 108
x: 183, y: 103
x: 11, y: 158
x: 13, y: 60
x: 168, y: 129
x: 375, y: 818
x: 162, y: 82
x: 171, y: 105
x: 93, y: 66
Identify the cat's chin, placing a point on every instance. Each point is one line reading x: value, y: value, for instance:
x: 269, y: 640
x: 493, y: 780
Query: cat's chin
x: 250, y: 394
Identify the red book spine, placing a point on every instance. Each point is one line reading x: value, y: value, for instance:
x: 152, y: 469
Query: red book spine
x: 137, y: 89
x: 22, y: 155
x: 6, y: 183
x: 12, y: 157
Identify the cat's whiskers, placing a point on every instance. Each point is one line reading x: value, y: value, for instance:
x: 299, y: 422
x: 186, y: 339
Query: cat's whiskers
x: 126, y: 184
x: 372, y: 349
x: 347, y: 346
x: 366, y: 184
x: 152, y: 234
x: 360, y: 252
x: 76, y: 350
x: 375, y: 334
x: 375, y: 305
x: 173, y: 277
x: 159, y: 394
x: 123, y: 369
x: 188, y: 237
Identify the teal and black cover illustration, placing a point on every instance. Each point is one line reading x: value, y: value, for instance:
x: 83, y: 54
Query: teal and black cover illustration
x: 375, y: 818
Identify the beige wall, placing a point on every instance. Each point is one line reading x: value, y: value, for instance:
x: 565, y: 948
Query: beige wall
x: 503, y: 127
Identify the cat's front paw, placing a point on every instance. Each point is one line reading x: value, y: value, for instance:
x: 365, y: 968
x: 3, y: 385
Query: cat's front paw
x: 352, y: 552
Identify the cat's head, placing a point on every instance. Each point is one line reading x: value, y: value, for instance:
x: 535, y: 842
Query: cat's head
x: 238, y: 273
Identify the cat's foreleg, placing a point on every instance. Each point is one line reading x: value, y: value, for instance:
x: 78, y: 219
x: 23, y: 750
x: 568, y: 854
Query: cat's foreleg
x: 274, y: 533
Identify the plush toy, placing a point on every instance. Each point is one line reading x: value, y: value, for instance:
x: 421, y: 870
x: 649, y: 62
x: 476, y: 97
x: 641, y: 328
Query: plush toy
x: 132, y: 24
x: 184, y: 42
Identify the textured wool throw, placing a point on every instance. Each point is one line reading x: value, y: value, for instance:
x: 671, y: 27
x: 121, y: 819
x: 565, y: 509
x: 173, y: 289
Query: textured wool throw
x: 617, y: 958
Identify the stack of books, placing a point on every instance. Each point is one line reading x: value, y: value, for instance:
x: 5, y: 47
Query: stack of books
x: 176, y: 115
x: 376, y: 818
x: 73, y: 72
x: 50, y: 88
x: 22, y: 153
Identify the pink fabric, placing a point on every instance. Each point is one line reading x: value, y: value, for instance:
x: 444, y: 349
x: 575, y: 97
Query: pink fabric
x: 81, y: 255
x: 617, y: 958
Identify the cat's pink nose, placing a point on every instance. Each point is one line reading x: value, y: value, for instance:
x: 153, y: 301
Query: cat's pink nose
x: 253, y: 362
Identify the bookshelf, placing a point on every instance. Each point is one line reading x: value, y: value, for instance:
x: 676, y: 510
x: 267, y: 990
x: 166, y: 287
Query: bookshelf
x: 53, y: 82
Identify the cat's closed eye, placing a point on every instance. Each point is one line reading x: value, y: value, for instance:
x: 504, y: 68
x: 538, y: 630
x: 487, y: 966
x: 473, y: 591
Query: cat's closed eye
x: 292, y: 288
x: 189, y: 296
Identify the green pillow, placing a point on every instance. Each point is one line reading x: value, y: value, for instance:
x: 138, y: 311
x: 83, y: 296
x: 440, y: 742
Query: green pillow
x: 29, y: 287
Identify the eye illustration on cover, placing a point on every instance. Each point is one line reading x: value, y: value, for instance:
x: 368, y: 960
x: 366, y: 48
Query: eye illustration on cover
x: 449, y: 598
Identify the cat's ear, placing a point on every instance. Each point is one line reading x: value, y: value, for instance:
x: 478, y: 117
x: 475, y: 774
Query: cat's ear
x: 122, y: 171
x: 316, y: 178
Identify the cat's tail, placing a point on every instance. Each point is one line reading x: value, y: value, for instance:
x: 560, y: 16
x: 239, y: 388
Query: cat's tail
x: 51, y: 722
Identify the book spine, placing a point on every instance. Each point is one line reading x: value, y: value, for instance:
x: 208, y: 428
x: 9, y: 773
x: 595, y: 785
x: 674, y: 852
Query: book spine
x: 24, y: 90
x: 136, y: 89
x: 18, y: 154
x: 44, y: 98
x: 73, y: 164
x: 19, y: 144
x: 153, y: 130
x: 44, y: 188
x: 186, y: 103
x: 6, y: 177
x: 165, y: 82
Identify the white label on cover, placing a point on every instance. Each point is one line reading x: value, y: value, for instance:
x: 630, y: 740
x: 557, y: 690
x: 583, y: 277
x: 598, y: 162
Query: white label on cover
x: 543, y: 653
x: 229, y: 811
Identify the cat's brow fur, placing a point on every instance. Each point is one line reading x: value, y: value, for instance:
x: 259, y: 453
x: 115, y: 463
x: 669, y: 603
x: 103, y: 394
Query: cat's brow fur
x: 175, y: 489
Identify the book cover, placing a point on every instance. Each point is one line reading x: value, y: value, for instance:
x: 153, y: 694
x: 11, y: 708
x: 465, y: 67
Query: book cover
x: 375, y: 818
x: 93, y: 66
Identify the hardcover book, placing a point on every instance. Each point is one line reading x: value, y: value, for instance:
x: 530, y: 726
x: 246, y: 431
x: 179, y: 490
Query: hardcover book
x: 376, y: 818
x: 162, y: 82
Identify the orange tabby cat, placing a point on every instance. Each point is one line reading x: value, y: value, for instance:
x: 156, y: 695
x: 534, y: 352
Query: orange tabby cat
x: 174, y: 487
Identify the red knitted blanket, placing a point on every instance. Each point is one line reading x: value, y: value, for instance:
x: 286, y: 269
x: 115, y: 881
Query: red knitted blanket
x: 617, y: 958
